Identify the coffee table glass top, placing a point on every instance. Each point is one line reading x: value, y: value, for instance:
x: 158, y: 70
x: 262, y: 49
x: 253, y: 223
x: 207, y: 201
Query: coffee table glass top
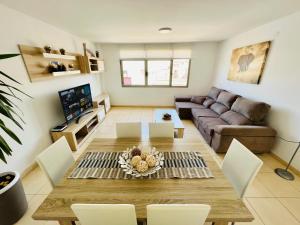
x: 158, y: 117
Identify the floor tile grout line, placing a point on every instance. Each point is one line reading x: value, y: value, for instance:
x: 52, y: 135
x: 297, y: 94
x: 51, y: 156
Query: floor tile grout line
x: 289, y: 210
x: 256, y: 213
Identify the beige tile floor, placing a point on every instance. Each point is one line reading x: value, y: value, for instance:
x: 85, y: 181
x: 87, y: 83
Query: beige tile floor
x: 272, y: 200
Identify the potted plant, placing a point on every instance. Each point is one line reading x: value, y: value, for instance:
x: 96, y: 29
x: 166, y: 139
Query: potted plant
x: 13, y: 202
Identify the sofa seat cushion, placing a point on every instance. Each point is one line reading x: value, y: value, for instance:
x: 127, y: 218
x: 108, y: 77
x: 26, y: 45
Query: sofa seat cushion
x: 214, y: 93
x: 226, y: 98
x: 208, y: 124
x: 235, y: 118
x: 219, y: 108
x: 254, y: 111
x: 204, y: 113
x: 188, y: 105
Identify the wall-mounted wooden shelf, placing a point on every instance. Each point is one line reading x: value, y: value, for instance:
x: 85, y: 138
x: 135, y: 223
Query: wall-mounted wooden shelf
x: 65, y: 73
x: 37, y: 62
x: 91, y: 64
x: 58, y: 56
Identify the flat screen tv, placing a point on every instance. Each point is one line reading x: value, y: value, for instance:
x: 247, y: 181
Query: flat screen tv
x: 76, y: 101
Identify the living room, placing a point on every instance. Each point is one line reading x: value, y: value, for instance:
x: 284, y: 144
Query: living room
x: 135, y: 43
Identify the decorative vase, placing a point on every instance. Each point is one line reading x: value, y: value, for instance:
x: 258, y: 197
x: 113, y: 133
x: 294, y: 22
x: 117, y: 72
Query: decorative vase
x: 62, y: 51
x: 47, y: 49
x: 13, y: 203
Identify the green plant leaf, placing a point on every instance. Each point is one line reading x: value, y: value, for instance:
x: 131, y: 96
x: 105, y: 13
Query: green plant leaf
x: 9, y: 86
x: 2, y: 157
x: 9, y: 77
x: 4, y: 110
x: 10, y: 133
x: 4, y: 146
x: 5, y: 93
x: 5, y: 100
x: 6, y: 56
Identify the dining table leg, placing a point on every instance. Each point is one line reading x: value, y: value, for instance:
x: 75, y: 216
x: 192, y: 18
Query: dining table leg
x: 66, y: 222
x: 180, y: 132
x: 220, y: 223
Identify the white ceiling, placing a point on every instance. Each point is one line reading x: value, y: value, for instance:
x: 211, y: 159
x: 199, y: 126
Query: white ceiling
x: 130, y: 21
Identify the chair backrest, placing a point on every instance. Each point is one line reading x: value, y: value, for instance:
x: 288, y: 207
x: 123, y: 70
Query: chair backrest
x: 177, y: 214
x: 161, y: 130
x: 55, y: 160
x: 129, y: 130
x: 240, y: 166
x: 105, y: 214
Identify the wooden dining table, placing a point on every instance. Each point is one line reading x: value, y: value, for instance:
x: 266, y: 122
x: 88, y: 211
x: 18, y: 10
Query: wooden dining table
x: 217, y: 192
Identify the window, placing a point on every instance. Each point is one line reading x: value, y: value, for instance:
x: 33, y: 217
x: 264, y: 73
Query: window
x: 159, y: 72
x: 180, y: 72
x: 155, y: 72
x: 133, y: 72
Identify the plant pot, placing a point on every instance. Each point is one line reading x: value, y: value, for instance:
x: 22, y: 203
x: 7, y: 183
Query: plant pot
x: 13, y: 203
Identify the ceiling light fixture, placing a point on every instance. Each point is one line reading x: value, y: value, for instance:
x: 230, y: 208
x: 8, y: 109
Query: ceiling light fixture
x: 165, y: 30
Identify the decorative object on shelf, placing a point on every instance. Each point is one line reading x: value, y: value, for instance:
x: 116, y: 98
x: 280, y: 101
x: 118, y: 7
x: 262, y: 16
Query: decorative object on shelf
x: 71, y: 66
x: 247, y: 63
x: 167, y: 116
x: 47, y: 49
x: 55, y: 66
x: 13, y: 204
x: 62, y: 51
x: 140, y: 164
x: 97, y: 54
x: 284, y: 173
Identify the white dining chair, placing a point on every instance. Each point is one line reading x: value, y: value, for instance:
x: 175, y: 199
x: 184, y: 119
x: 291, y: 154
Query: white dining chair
x: 177, y: 214
x: 105, y: 214
x: 56, y: 160
x: 129, y: 130
x: 240, y: 166
x: 161, y: 130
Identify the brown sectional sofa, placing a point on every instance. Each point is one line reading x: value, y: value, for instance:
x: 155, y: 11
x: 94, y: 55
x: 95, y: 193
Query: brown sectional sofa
x: 221, y: 116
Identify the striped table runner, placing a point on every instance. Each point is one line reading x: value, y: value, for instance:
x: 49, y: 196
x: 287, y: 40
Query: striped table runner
x: 104, y: 165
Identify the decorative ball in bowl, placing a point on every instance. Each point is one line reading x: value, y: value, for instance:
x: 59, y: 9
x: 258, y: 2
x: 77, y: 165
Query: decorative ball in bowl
x: 139, y: 163
x: 167, y: 116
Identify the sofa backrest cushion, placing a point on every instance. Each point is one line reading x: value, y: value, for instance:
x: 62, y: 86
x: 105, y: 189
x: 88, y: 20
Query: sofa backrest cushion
x: 198, y: 99
x: 219, y: 108
x: 254, y: 111
x: 234, y: 118
x: 214, y: 93
x: 226, y: 98
x: 208, y: 102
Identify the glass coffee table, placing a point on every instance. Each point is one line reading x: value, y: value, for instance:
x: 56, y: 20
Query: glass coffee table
x: 178, y: 125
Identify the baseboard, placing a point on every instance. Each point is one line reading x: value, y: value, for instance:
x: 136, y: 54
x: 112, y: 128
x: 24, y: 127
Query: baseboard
x: 29, y: 169
x: 284, y: 163
x: 145, y: 106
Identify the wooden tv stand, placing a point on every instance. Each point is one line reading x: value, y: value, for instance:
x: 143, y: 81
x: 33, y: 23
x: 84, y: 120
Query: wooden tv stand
x: 77, y: 133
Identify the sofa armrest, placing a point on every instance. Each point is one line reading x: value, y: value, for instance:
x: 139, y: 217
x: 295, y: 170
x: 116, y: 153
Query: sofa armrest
x: 238, y: 130
x: 183, y: 98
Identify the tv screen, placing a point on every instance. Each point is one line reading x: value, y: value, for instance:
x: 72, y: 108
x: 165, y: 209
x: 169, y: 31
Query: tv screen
x: 75, y: 101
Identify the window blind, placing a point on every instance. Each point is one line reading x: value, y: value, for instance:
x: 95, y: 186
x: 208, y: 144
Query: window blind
x: 155, y: 51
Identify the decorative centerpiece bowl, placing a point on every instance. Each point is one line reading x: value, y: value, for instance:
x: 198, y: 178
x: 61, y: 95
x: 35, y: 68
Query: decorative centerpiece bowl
x: 167, y: 116
x: 141, y: 164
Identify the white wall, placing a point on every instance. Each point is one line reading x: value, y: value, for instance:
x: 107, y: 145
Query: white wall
x: 279, y: 85
x: 202, y: 64
x: 44, y: 110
